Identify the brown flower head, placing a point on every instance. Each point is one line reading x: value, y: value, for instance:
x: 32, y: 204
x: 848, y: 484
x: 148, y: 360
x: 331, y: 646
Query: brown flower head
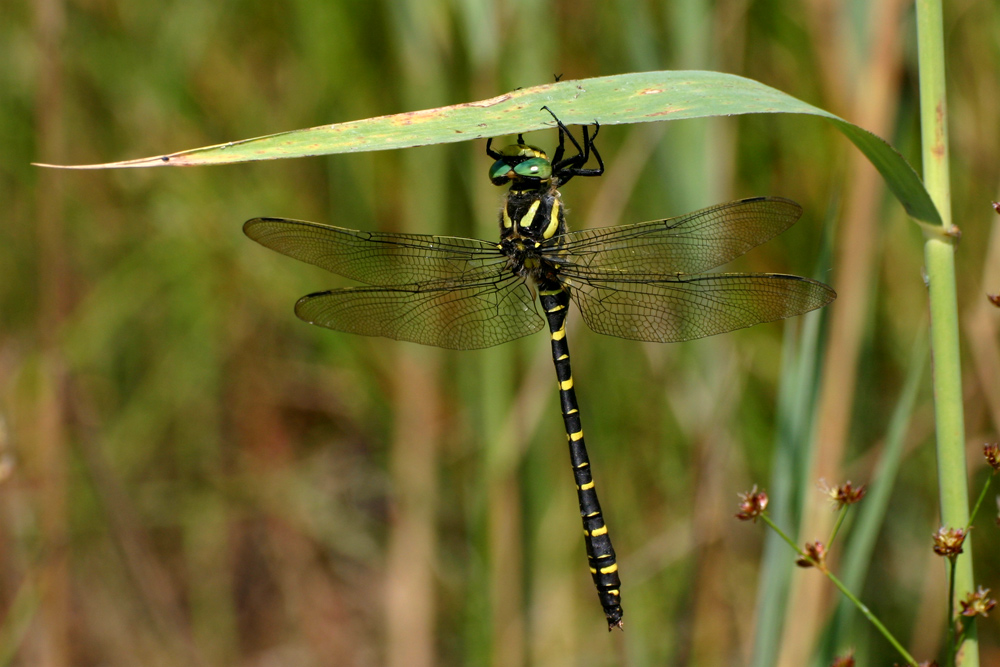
x: 845, y: 494
x: 992, y: 454
x: 752, y: 504
x: 843, y: 661
x: 814, y: 555
x: 948, y: 541
x: 977, y: 604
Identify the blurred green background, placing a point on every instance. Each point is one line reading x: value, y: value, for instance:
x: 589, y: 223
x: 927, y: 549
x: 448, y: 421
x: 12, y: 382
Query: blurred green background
x: 190, y: 475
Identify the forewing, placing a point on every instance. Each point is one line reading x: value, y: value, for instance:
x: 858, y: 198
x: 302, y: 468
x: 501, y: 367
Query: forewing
x: 443, y: 314
x: 690, y: 243
x: 378, y: 258
x: 681, y: 307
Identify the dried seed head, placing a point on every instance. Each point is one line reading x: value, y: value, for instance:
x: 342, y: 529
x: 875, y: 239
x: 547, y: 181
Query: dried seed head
x: 948, y: 541
x: 845, y: 494
x: 814, y: 555
x: 843, y: 661
x: 992, y: 454
x: 752, y: 504
x: 977, y: 604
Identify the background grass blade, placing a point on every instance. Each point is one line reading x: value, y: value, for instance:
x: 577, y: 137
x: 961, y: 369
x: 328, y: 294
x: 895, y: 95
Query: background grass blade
x: 859, y: 553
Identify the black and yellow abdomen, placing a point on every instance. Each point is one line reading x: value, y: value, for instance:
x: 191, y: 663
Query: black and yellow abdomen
x: 600, y: 552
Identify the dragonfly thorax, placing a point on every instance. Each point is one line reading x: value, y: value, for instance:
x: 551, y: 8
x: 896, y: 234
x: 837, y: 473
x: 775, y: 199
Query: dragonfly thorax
x: 525, y: 259
x: 532, y: 214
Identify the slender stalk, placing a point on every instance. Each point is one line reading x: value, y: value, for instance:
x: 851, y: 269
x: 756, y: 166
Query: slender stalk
x: 979, y: 501
x: 950, y: 662
x: 940, y: 265
x: 867, y: 613
x: 841, y: 514
x: 862, y: 607
x: 766, y: 519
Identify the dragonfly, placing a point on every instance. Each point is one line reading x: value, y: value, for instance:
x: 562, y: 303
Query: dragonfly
x: 642, y: 281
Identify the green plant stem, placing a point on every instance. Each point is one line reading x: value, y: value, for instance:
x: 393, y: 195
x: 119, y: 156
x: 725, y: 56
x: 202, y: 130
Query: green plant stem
x: 865, y: 611
x: 766, y: 519
x: 939, y: 259
x: 979, y: 501
x: 951, y: 612
x: 836, y: 526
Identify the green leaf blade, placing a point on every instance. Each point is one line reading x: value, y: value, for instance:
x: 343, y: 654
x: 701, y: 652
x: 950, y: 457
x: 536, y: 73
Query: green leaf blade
x: 641, y: 97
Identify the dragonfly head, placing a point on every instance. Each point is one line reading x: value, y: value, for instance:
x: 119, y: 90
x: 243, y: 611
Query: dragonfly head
x: 523, y: 166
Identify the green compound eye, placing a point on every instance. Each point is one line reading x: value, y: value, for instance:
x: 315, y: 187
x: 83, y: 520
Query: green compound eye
x: 499, y: 172
x: 536, y: 167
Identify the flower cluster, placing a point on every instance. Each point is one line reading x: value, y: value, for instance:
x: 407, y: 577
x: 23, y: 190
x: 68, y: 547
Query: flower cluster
x: 814, y: 555
x: 992, y: 454
x: 845, y: 494
x: 948, y: 541
x: 977, y: 604
x: 752, y: 504
x: 843, y: 661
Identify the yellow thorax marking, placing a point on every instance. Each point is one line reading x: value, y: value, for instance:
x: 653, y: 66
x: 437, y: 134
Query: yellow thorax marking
x: 530, y: 215
x: 553, y: 220
x: 507, y: 222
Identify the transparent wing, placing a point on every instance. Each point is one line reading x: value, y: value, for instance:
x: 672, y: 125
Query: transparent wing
x: 684, y: 307
x: 378, y: 258
x: 457, y: 316
x: 690, y: 243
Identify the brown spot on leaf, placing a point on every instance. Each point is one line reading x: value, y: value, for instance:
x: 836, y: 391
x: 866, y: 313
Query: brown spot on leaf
x: 493, y: 101
x: 665, y: 112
